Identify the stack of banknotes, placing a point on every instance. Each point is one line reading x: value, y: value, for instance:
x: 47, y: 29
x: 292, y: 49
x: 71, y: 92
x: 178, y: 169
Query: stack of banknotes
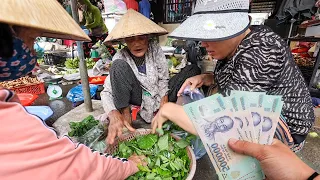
x: 249, y: 116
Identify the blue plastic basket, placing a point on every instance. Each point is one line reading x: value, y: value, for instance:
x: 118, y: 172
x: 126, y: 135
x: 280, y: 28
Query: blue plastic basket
x: 43, y: 112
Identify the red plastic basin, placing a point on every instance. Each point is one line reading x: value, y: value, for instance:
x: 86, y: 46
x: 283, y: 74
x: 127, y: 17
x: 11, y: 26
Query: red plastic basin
x: 27, y: 99
x: 98, y: 80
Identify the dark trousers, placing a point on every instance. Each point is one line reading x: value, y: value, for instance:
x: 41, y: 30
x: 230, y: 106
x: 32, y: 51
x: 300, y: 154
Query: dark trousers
x: 88, y: 45
x: 126, y: 87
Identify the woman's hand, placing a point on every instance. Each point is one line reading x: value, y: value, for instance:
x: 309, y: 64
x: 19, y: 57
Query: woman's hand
x: 174, y: 113
x: 158, y: 120
x: 196, y: 82
x: 138, y: 160
x: 164, y: 100
x: 277, y: 160
x: 117, y: 123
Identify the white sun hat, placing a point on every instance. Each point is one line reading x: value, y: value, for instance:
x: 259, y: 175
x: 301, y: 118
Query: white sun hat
x: 215, y: 20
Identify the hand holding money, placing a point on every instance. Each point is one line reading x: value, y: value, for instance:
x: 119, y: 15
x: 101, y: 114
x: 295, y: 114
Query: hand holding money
x: 277, y: 160
x: 250, y: 116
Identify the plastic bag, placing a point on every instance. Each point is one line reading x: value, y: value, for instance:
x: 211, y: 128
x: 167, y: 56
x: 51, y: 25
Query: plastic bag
x: 189, y: 96
x: 100, y: 68
x: 76, y: 95
x: 94, y: 139
x: 115, y: 7
x: 196, y: 143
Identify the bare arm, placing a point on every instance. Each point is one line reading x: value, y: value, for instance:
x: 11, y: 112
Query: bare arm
x: 176, y: 114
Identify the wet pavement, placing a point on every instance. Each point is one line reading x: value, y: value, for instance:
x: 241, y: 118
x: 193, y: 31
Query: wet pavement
x: 205, y: 170
x: 59, y: 106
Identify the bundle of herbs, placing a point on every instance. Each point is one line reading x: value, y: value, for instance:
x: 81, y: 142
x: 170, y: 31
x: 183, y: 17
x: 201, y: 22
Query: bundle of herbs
x: 80, y: 128
x: 89, y: 132
x: 167, y: 158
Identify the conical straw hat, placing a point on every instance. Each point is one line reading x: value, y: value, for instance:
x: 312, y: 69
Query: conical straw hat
x: 134, y: 24
x: 46, y: 16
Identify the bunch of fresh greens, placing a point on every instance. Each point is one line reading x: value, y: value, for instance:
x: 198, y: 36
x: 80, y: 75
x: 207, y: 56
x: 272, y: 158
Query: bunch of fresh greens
x: 80, y: 128
x: 40, y: 61
x: 90, y: 63
x: 72, y: 63
x: 167, y: 158
x: 178, y: 131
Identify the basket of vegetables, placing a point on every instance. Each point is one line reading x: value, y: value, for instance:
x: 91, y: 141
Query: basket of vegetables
x: 168, y: 156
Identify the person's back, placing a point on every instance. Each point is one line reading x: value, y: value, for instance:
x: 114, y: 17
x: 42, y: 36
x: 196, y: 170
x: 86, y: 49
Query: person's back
x: 29, y: 150
x: 94, y: 18
x: 264, y: 63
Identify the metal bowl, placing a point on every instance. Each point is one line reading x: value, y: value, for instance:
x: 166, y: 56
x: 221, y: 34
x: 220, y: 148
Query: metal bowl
x: 53, y: 79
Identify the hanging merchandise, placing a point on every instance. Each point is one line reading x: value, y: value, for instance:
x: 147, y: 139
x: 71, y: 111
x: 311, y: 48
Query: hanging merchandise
x: 115, y: 7
x: 290, y: 8
x: 132, y: 4
x: 145, y: 8
x: 156, y: 10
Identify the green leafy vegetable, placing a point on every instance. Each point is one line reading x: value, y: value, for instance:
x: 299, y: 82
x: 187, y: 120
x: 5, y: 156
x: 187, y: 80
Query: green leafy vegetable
x: 182, y: 143
x: 146, y: 142
x: 166, y: 157
x: 90, y: 63
x: 160, y: 131
x: 72, y: 63
x: 163, y: 142
x: 80, y: 128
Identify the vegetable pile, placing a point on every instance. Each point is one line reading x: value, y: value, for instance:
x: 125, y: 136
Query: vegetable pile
x: 80, y: 128
x: 90, y: 63
x: 74, y: 63
x: 167, y: 158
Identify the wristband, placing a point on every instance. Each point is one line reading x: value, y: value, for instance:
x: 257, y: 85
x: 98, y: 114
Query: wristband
x: 314, y: 175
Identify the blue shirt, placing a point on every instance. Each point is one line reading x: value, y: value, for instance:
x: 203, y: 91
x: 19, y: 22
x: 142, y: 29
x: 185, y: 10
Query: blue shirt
x: 145, y: 8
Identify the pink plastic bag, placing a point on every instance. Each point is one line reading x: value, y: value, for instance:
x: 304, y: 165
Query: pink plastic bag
x: 115, y: 7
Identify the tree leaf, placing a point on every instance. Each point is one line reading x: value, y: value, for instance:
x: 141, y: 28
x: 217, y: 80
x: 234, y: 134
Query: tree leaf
x: 160, y: 131
x: 151, y: 176
x: 182, y: 144
x: 158, y: 162
x: 144, y: 168
x: 163, y: 142
x: 146, y: 142
x: 168, y: 178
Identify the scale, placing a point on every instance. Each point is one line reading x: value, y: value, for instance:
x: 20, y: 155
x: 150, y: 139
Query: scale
x: 54, y: 92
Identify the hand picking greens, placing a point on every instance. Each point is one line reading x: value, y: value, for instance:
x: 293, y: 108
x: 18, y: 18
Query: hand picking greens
x: 167, y: 158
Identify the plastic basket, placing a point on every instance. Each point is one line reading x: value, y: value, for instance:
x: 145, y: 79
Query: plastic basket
x: 27, y: 99
x: 111, y: 149
x: 32, y: 89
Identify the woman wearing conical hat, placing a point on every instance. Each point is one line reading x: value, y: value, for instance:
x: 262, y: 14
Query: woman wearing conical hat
x: 139, y: 74
x: 28, y: 148
x: 249, y: 59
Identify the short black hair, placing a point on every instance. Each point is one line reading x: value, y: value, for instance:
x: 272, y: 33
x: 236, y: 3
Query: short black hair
x: 6, y: 41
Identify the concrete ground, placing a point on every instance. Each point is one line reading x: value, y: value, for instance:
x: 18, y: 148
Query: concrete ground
x: 310, y: 154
